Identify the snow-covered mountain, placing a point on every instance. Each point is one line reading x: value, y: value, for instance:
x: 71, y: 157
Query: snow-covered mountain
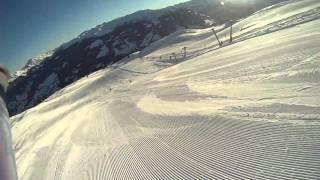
x: 109, y: 42
x: 33, y: 62
x: 248, y: 110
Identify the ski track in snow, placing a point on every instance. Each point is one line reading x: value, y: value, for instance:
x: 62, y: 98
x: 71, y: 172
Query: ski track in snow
x: 249, y: 110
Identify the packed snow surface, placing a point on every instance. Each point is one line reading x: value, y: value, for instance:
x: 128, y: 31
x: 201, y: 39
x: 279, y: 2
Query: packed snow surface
x: 248, y: 110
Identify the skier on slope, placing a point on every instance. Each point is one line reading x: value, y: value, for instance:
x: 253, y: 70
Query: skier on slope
x: 7, y: 160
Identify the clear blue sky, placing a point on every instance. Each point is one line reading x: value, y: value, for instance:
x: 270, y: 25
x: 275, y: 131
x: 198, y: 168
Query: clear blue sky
x: 32, y: 27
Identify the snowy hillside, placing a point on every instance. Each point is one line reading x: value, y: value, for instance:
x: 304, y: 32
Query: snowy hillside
x: 202, y: 6
x: 248, y: 110
x: 91, y: 53
x: 110, y: 42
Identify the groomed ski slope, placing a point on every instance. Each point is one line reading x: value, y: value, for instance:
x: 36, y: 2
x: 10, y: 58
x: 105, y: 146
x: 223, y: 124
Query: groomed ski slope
x: 250, y: 110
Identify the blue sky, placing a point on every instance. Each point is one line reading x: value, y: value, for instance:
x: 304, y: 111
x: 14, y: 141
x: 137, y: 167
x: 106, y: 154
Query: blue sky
x: 32, y: 27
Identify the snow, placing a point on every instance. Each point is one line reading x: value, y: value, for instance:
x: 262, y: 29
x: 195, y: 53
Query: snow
x: 96, y: 43
x: 105, y: 28
x: 249, y: 110
x: 104, y: 51
x: 21, y: 99
x: 144, y: 15
x: 125, y: 48
x: 50, y: 84
x: 33, y: 62
x: 147, y: 39
x: 151, y: 37
x: 280, y: 16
